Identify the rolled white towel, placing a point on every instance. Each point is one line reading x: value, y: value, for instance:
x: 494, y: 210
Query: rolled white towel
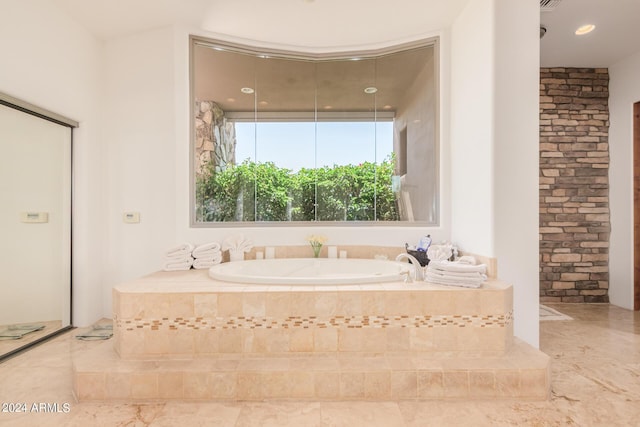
x: 202, y: 263
x: 178, y: 263
x: 206, y: 250
x: 181, y: 250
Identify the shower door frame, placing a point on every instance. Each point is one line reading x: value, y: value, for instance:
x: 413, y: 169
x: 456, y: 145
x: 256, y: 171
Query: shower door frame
x: 33, y: 110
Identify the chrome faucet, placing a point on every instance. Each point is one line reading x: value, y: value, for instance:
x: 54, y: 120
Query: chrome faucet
x: 417, y: 268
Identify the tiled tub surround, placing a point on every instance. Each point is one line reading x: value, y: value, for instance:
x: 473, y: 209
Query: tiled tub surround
x: 183, y: 336
x: 182, y: 315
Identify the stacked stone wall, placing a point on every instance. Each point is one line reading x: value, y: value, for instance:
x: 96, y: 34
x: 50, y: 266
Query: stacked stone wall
x: 574, y: 185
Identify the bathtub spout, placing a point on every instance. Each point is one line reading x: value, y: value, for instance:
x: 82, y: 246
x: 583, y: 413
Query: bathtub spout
x: 417, y: 269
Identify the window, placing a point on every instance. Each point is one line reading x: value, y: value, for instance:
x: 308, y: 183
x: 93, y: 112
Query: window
x: 286, y: 138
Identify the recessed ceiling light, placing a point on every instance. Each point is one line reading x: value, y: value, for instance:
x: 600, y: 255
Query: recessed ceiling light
x: 231, y: 100
x: 328, y: 107
x: 371, y: 89
x: 585, y: 29
x: 247, y: 90
x: 387, y: 107
x: 263, y: 103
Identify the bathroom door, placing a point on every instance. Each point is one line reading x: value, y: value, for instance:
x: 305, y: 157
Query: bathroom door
x: 35, y: 227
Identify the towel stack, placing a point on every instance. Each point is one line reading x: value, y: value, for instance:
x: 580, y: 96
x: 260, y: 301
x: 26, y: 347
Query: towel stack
x: 462, y: 272
x: 207, y: 255
x: 178, y: 258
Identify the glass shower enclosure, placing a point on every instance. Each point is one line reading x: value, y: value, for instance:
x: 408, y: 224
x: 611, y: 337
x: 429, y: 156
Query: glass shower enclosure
x: 35, y: 224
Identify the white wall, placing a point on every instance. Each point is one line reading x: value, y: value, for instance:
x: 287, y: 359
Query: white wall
x: 50, y: 61
x: 624, y: 91
x: 140, y: 147
x: 515, y: 158
x: 472, y: 128
x: 494, y: 143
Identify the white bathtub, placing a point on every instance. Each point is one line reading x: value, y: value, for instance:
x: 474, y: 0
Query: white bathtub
x: 310, y: 271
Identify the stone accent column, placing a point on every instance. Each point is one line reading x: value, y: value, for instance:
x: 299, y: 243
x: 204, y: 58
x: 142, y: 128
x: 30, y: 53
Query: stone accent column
x: 215, y: 138
x: 574, y: 185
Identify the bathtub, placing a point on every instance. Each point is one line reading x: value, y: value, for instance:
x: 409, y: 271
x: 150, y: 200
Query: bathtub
x: 310, y: 271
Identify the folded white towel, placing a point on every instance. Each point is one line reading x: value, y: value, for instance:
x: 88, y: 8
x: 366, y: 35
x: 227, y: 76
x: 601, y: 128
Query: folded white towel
x: 462, y: 277
x: 466, y: 259
x: 177, y: 263
x: 208, y: 254
x: 439, y: 280
x: 181, y: 250
x: 458, y: 267
x: 458, y: 276
x: 202, y: 263
x: 456, y: 273
x: 206, y: 250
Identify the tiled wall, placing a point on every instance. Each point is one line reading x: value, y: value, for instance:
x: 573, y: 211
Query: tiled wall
x: 574, y: 185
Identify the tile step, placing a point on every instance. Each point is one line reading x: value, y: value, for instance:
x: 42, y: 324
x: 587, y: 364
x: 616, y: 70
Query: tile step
x: 521, y: 373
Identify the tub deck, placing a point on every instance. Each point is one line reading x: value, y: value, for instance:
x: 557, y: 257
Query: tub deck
x: 216, y: 340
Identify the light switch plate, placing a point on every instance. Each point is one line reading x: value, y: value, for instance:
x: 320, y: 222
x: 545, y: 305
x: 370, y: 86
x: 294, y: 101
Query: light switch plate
x: 34, y: 217
x: 131, y: 217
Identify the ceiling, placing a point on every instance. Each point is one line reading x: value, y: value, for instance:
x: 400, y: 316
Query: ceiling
x: 301, y: 86
x: 338, y: 25
x: 616, y: 35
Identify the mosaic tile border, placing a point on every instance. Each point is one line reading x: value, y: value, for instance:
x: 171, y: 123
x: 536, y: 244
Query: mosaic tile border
x: 293, y: 322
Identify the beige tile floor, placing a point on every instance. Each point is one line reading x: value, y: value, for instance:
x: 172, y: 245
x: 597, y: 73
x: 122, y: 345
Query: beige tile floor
x: 595, y: 382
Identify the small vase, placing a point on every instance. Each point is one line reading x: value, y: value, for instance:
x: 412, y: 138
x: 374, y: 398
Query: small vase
x: 316, y: 250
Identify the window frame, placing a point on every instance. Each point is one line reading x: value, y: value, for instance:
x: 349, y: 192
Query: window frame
x: 194, y: 40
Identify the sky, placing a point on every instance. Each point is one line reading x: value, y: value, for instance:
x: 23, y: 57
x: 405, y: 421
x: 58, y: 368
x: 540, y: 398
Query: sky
x: 292, y: 144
